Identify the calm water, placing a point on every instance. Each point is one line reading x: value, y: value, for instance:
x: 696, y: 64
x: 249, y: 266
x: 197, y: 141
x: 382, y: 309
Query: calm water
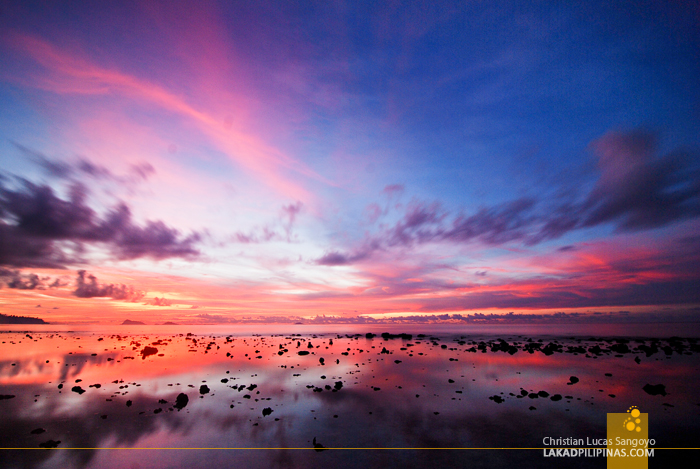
x: 248, y: 388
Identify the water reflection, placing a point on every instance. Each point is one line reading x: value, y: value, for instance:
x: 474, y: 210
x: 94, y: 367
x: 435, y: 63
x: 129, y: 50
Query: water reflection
x: 347, y: 391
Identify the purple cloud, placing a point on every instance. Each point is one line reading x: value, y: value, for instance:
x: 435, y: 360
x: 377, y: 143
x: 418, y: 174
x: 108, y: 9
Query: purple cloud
x: 36, y: 226
x: 636, y: 191
x: 88, y: 287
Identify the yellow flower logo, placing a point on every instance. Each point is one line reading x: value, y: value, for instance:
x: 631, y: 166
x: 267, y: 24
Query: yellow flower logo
x: 633, y: 422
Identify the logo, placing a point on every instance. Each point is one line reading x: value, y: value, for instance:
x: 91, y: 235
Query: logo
x: 628, y: 445
x: 634, y: 421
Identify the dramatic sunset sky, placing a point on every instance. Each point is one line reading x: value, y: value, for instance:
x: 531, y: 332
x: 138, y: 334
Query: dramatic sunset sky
x: 166, y: 162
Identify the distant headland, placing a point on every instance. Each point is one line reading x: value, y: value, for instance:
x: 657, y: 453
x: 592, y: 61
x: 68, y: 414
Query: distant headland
x: 129, y: 322
x: 5, y: 319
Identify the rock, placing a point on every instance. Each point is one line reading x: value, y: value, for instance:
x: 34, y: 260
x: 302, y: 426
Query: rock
x: 321, y: 361
x: 266, y: 411
x: 6, y: 396
x: 203, y: 389
x: 496, y: 398
x: 50, y: 444
x: 543, y: 394
x: 181, y: 401
x: 302, y: 352
x: 37, y: 431
x: 655, y: 389
x: 572, y: 380
x: 338, y: 385
x: 78, y: 389
x: 556, y: 397
x: 637, y: 360
x: 128, y: 403
x: 148, y: 351
x: 397, y: 361
x: 318, y: 447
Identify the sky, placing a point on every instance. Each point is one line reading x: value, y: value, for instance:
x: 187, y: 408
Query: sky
x: 202, y: 162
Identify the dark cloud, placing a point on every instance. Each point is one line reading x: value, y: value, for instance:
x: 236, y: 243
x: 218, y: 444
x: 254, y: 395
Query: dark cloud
x: 39, y: 229
x: 88, y: 287
x: 20, y: 281
x: 636, y: 190
x: 639, y: 191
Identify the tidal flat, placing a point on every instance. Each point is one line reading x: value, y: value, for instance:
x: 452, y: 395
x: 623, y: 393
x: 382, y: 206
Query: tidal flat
x: 385, y: 397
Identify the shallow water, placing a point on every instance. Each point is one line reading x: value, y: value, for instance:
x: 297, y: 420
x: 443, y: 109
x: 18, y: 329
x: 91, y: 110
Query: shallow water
x: 432, y: 396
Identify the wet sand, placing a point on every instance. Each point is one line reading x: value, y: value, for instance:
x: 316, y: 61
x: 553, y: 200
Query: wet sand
x: 436, y: 395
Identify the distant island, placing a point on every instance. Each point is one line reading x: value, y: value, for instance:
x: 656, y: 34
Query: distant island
x: 129, y: 322
x: 5, y: 319
x: 170, y: 323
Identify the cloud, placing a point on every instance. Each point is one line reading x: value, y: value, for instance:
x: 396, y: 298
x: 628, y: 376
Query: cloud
x: 270, y: 231
x: 15, y: 279
x: 82, y: 166
x: 159, y: 302
x: 640, y: 191
x: 636, y: 191
x: 39, y: 229
x: 88, y: 287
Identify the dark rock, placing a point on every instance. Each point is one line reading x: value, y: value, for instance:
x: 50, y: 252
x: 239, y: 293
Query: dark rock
x: 78, y: 389
x: 148, y: 351
x: 37, y: 431
x: 655, y: 389
x: 181, y: 401
x: 302, y: 352
x: 50, y: 444
x: 6, y: 396
x: 496, y: 398
x: 637, y: 360
x: 397, y: 361
x: 266, y: 411
x: 318, y: 447
x: 543, y: 394
x: 572, y: 380
x: 128, y: 403
x: 203, y: 389
x: 620, y: 348
x: 338, y: 385
x: 322, y: 361
x: 556, y: 397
